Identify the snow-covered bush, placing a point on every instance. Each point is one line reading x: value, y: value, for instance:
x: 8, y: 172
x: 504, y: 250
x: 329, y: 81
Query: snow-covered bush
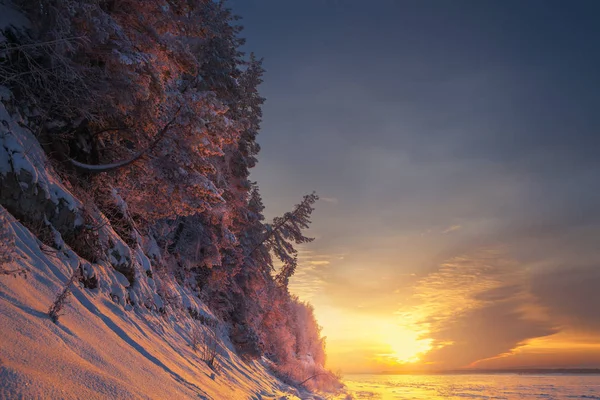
x: 7, y: 244
x: 209, y: 348
x: 56, y: 308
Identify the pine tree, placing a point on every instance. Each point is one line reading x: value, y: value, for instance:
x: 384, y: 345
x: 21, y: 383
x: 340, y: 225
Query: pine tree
x: 284, y: 232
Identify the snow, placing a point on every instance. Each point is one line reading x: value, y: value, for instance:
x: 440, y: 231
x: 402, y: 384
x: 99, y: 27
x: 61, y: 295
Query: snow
x: 9, y: 17
x: 21, y: 152
x: 99, y: 350
x: 118, y: 339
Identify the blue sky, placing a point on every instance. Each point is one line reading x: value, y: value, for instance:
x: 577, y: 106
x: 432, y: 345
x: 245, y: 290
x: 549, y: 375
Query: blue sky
x: 439, y: 131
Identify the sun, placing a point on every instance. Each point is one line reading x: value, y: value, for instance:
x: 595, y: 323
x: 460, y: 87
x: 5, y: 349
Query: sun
x: 406, y: 345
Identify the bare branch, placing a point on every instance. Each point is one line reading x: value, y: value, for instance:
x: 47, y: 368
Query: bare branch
x: 311, y: 377
x: 114, y: 166
x: 55, y: 310
x: 113, y: 128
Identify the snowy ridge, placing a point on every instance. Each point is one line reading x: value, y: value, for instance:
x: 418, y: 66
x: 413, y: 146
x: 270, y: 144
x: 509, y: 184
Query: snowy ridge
x: 99, y: 350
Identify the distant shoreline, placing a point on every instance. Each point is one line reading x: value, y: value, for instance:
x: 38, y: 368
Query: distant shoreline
x: 519, y: 371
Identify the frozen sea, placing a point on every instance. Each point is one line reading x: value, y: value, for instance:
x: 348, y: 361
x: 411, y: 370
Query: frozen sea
x: 498, y: 386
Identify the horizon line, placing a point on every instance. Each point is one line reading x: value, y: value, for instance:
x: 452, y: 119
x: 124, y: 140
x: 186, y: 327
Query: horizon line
x: 463, y: 371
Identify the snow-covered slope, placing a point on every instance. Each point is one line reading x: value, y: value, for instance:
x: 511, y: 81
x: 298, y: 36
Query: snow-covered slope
x: 130, y: 328
x: 99, y: 350
x: 118, y: 338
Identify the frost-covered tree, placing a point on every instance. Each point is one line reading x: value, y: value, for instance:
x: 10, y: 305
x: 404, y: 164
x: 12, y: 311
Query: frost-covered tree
x: 284, y: 232
x: 109, y: 77
x: 152, y: 111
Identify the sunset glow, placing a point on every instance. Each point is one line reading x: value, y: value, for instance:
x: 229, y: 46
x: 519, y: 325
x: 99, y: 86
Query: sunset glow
x: 407, y: 345
x: 459, y: 230
x: 422, y: 331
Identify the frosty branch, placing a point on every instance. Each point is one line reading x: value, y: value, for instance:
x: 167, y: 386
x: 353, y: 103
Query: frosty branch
x: 120, y: 164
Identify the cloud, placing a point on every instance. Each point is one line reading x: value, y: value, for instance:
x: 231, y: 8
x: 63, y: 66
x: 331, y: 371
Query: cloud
x: 475, y: 307
x: 306, y: 285
x: 572, y: 296
x: 318, y: 263
x: 312, y: 273
x: 452, y: 228
x: 331, y: 200
x: 482, y: 333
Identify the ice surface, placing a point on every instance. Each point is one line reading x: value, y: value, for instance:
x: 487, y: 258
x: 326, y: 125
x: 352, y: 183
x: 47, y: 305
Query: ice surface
x: 497, y: 386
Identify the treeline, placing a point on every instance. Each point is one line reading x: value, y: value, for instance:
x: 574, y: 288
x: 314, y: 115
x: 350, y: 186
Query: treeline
x: 150, y: 111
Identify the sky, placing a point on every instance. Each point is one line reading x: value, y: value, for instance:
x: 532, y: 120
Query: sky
x: 454, y: 145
